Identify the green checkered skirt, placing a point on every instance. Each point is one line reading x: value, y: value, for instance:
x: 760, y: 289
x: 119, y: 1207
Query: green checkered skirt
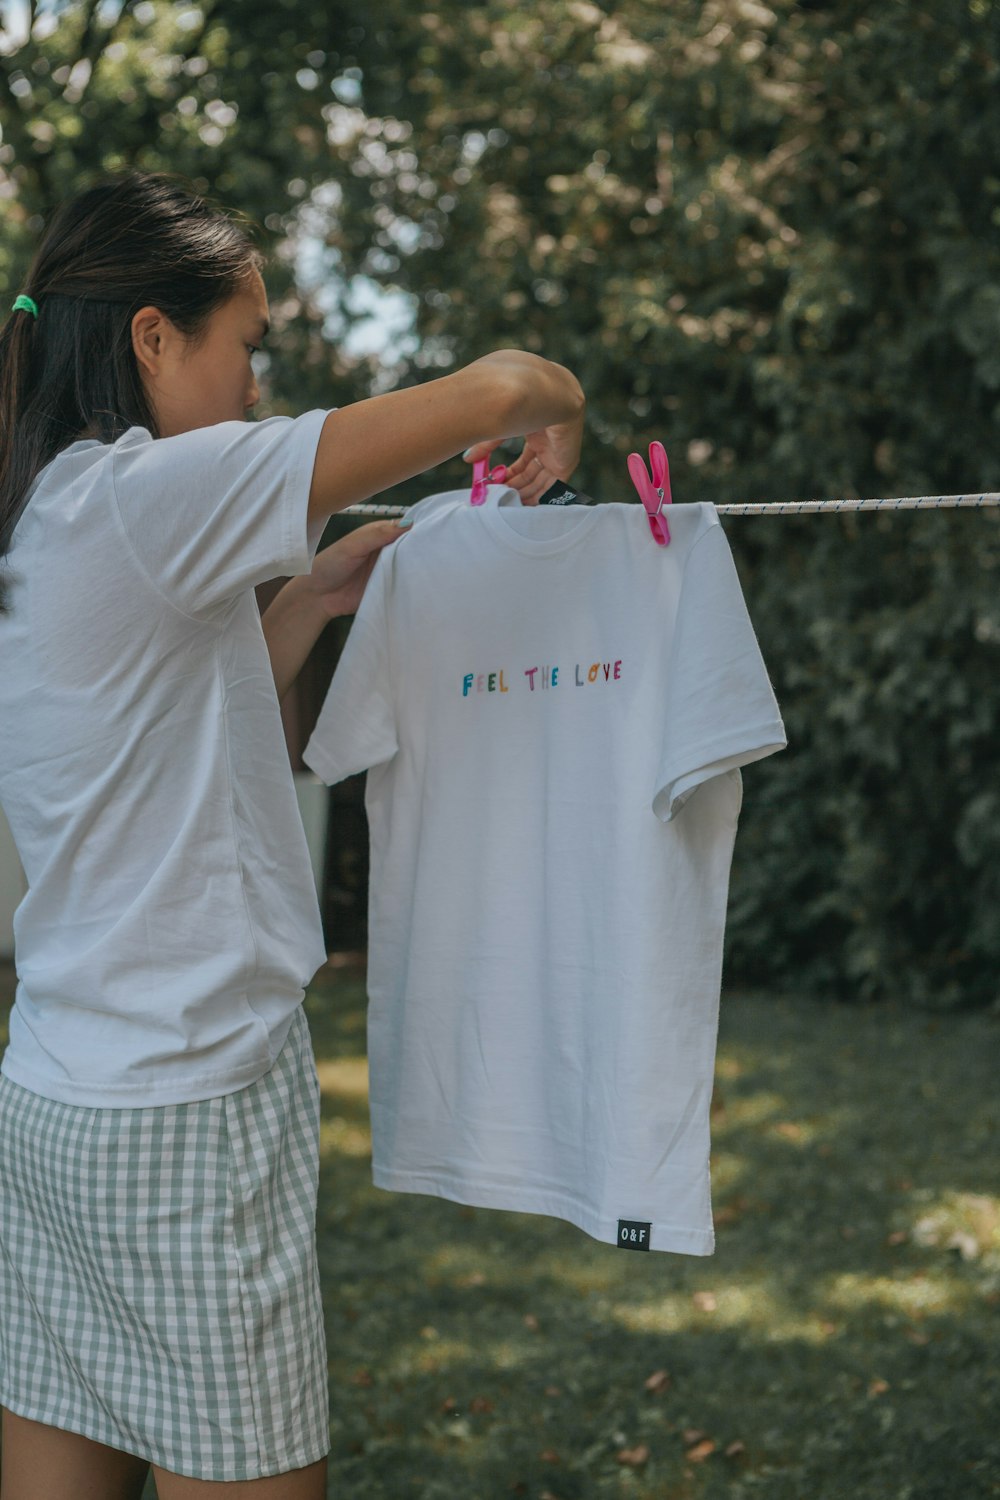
x: 159, y: 1286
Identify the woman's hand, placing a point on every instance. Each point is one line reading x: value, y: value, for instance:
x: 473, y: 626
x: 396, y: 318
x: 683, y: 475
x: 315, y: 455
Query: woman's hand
x: 297, y: 615
x: 551, y: 453
x: 341, y: 571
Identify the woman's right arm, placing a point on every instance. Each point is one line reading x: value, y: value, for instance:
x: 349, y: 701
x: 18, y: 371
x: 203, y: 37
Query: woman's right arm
x: 371, y: 445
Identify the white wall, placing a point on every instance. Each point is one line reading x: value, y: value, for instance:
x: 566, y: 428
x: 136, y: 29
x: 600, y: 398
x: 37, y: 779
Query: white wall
x: 313, y: 797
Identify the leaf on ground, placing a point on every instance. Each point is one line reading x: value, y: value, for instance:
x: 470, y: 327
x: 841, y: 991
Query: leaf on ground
x: 734, y: 1449
x: 549, y: 1456
x: 448, y: 1404
x: 878, y: 1387
x: 553, y: 1390
x: 633, y: 1458
x: 704, y: 1301
x: 480, y: 1404
x: 692, y: 1435
x: 530, y: 1321
x: 700, y: 1451
x: 362, y: 1377
x: 658, y: 1381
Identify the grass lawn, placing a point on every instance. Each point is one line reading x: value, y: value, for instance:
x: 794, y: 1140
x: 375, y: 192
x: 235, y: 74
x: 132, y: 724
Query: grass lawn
x: 841, y: 1342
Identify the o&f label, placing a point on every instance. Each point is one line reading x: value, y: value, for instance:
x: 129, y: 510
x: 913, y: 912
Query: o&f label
x: 633, y: 1235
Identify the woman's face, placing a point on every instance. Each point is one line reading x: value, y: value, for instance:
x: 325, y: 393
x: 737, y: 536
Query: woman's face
x: 192, y: 386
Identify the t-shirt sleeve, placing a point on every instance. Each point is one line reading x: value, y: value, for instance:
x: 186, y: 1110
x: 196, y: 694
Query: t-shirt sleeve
x: 212, y: 512
x: 721, y: 712
x: 356, y: 728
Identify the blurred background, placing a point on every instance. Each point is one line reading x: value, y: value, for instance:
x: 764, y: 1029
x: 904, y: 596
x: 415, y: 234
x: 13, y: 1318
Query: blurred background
x: 767, y: 234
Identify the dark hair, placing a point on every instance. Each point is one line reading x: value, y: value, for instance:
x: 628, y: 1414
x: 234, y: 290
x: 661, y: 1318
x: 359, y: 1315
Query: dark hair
x: 134, y: 239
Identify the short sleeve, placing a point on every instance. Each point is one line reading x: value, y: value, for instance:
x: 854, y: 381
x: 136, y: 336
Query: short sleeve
x: 720, y: 708
x: 212, y: 512
x: 356, y: 728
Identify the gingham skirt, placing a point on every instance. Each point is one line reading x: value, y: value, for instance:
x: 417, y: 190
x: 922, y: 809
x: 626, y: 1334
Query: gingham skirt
x: 159, y: 1285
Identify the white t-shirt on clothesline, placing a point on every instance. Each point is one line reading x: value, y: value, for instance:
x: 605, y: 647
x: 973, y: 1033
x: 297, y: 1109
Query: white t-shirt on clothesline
x: 171, y: 920
x: 552, y: 711
x: 432, y: 505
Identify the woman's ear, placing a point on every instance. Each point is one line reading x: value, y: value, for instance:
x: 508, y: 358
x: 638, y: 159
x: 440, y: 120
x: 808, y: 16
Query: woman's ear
x: 149, y: 339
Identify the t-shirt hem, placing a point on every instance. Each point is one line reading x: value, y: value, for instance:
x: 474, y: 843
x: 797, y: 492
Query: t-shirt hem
x: 302, y: 536
x: 700, y: 761
x: 328, y: 770
x: 325, y: 768
x: 679, y: 1239
x: 146, y: 1095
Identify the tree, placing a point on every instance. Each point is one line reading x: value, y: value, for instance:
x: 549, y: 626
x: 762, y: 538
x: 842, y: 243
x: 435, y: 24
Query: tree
x: 765, y: 233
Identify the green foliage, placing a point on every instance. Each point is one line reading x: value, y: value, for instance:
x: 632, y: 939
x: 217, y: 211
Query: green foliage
x: 868, y: 862
x: 767, y: 234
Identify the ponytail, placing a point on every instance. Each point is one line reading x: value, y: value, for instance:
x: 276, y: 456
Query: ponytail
x: 18, y: 365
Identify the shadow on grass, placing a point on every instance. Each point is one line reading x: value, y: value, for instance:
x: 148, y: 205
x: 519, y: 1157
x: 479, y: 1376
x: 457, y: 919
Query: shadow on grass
x: 841, y: 1342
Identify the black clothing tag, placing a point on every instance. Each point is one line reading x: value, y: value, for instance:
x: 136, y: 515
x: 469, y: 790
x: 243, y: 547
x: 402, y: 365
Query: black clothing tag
x: 633, y: 1235
x: 560, y: 493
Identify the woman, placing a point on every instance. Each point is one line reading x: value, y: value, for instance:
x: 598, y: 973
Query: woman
x: 159, y: 1104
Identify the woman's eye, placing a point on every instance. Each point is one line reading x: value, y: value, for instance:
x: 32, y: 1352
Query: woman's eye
x: 254, y: 348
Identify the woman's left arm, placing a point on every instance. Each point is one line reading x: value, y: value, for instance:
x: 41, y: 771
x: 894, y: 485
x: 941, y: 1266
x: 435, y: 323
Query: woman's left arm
x: 295, y: 618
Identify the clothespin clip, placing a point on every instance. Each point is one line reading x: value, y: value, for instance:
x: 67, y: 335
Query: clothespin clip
x: 654, y: 493
x: 482, y: 475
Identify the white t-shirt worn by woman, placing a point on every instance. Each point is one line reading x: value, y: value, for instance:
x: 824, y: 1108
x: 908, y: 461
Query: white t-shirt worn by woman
x: 171, y: 921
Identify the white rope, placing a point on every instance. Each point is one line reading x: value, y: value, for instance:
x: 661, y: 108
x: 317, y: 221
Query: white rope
x: 372, y: 510
x: 910, y: 502
x: 777, y: 508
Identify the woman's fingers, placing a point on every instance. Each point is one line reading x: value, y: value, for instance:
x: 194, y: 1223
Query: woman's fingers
x: 371, y: 538
x: 554, y: 450
x: 339, y: 562
x: 529, y: 477
x: 482, y: 450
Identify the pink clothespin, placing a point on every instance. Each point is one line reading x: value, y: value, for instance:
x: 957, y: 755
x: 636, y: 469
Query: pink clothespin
x: 482, y: 475
x: 654, y: 493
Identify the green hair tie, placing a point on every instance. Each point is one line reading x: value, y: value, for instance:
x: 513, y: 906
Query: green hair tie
x: 26, y: 304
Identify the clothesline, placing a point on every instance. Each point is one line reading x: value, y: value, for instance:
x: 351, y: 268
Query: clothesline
x: 780, y: 507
